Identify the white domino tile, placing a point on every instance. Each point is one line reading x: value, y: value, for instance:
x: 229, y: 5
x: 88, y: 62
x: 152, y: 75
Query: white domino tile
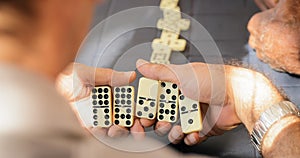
x: 161, y: 53
x: 102, y: 106
x: 124, y: 106
x: 190, y: 115
x: 146, y: 105
x: 174, y: 26
x: 173, y: 14
x: 168, y: 102
x: 168, y: 4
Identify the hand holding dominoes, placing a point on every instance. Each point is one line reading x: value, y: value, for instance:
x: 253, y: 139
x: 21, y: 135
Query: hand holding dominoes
x: 113, y: 112
x: 194, y: 80
x: 155, y: 100
x: 80, y: 77
x: 74, y: 83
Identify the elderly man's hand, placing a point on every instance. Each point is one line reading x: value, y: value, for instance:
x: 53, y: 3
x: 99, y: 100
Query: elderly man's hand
x: 275, y: 35
x: 76, y: 83
x: 195, y: 81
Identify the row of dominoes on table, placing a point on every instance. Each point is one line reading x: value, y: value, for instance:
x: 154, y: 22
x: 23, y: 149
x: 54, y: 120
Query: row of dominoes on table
x: 155, y: 100
x: 171, y: 25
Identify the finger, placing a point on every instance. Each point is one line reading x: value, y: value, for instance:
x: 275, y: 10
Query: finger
x: 137, y: 130
x: 113, y: 78
x: 162, y: 128
x: 185, y: 76
x: 102, y: 76
x: 99, y: 132
x: 193, y: 139
x: 261, y: 5
x: 193, y: 79
x: 176, y: 135
x: 89, y: 128
x: 146, y: 122
x: 116, y: 131
x: 157, y: 71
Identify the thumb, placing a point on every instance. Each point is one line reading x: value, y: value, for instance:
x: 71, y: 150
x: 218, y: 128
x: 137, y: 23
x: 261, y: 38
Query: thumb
x: 184, y: 76
x: 193, y: 79
x: 158, y: 71
x: 113, y: 78
x: 102, y: 76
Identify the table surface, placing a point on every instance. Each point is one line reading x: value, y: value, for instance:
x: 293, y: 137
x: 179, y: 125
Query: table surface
x: 226, y: 21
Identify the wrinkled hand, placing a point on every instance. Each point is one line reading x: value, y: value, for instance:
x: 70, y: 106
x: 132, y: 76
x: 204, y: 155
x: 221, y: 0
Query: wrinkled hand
x: 76, y: 83
x: 275, y: 35
x: 195, y: 81
x: 266, y: 4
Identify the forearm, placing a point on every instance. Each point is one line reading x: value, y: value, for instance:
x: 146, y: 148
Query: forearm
x: 252, y: 94
x: 283, y: 139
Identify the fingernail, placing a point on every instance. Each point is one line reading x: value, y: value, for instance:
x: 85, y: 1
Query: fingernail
x: 141, y: 62
x: 175, y: 134
x: 131, y: 73
x: 192, y: 140
x: 162, y: 130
